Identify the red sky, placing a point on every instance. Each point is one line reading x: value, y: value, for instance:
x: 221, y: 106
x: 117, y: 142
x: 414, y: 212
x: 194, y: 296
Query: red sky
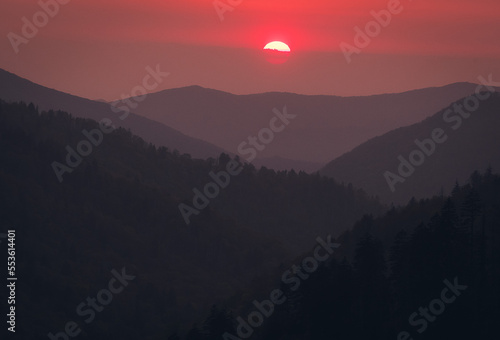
x: 99, y: 49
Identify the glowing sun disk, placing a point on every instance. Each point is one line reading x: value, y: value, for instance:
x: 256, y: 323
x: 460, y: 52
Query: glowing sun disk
x: 277, y: 46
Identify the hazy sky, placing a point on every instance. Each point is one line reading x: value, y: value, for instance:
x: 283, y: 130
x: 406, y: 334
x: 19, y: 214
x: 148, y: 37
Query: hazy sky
x: 99, y: 49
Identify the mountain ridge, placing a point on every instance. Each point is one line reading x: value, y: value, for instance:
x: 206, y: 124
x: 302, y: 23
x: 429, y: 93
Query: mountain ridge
x: 201, y: 88
x: 473, y: 144
x: 16, y: 89
x: 331, y: 125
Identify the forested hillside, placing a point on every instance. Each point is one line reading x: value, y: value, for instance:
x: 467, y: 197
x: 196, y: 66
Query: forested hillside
x: 120, y: 208
x: 429, y: 270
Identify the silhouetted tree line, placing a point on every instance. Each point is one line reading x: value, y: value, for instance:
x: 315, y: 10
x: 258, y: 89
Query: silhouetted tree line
x: 393, y: 272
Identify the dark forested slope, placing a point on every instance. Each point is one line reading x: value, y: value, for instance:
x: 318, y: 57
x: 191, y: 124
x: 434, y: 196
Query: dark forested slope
x: 119, y: 207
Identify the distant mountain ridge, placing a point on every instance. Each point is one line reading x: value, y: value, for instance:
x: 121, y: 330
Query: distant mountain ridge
x: 467, y: 144
x: 325, y: 128
x: 14, y: 88
x: 206, y: 122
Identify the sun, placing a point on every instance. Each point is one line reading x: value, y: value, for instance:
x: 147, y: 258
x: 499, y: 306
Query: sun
x: 277, y: 52
x: 277, y: 46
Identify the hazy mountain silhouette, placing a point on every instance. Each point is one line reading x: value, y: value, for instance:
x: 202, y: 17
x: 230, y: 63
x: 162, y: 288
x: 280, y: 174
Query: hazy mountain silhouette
x: 325, y: 126
x: 14, y: 88
x: 204, y: 122
x: 473, y: 145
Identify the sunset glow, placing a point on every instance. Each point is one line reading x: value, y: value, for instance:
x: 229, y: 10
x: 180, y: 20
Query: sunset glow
x: 196, y: 41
